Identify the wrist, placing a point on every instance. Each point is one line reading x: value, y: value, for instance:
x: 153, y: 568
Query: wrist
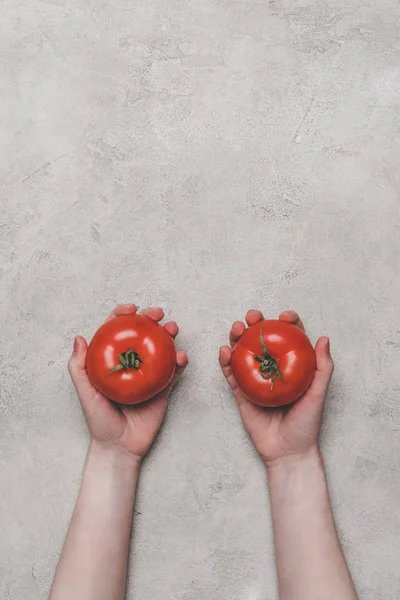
x: 114, y: 455
x: 295, y: 461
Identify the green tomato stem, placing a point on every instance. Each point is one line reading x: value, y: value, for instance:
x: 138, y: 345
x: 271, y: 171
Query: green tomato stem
x: 128, y: 360
x: 268, y: 366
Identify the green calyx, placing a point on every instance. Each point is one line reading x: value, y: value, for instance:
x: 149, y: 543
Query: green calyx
x: 268, y: 366
x: 127, y: 360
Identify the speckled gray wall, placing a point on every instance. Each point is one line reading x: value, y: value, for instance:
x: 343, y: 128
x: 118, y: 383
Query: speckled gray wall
x: 207, y: 157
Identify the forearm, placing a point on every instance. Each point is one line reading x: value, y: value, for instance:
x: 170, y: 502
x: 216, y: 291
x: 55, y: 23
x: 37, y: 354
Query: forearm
x: 94, y: 558
x: 310, y: 562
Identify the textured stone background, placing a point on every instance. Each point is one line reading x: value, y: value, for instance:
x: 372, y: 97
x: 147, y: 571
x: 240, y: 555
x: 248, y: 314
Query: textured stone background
x: 207, y: 157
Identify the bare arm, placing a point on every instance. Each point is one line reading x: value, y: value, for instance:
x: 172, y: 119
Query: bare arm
x: 309, y: 558
x: 94, y: 558
x: 310, y: 562
x: 93, y: 562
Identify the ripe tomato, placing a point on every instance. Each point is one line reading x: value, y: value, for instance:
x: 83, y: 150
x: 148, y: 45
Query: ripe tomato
x: 130, y: 359
x: 273, y: 363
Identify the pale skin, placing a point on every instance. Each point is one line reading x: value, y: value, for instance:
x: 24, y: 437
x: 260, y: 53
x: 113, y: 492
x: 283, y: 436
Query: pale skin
x: 93, y: 561
x: 309, y: 559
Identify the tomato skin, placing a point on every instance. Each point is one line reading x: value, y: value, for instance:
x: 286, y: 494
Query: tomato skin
x: 286, y: 343
x: 153, y: 344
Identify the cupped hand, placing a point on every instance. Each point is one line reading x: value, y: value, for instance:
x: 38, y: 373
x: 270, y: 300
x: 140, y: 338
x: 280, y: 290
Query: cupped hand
x: 289, y: 431
x: 131, y: 429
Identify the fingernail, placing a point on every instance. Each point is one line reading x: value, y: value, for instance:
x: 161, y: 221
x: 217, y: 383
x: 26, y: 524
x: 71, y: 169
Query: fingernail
x: 328, y: 345
x: 76, y: 345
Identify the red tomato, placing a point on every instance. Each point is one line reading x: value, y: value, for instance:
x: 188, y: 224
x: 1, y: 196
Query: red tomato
x: 130, y: 359
x: 273, y: 363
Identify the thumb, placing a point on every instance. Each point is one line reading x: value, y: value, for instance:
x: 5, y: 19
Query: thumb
x: 96, y: 407
x: 77, y: 369
x: 323, y: 371
x: 181, y: 364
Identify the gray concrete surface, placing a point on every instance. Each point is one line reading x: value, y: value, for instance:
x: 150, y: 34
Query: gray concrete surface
x: 207, y: 157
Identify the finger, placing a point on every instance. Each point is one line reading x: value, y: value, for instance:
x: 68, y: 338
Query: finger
x: 253, y: 316
x: 225, y: 362
x: 157, y: 314
x: 291, y: 317
x: 172, y: 328
x: 323, y: 372
x: 181, y: 364
x: 122, y: 309
x: 225, y: 356
x: 77, y: 368
x: 237, y: 330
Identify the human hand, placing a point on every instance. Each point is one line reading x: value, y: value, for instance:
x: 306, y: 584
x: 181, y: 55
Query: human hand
x: 285, y: 432
x: 130, y: 429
